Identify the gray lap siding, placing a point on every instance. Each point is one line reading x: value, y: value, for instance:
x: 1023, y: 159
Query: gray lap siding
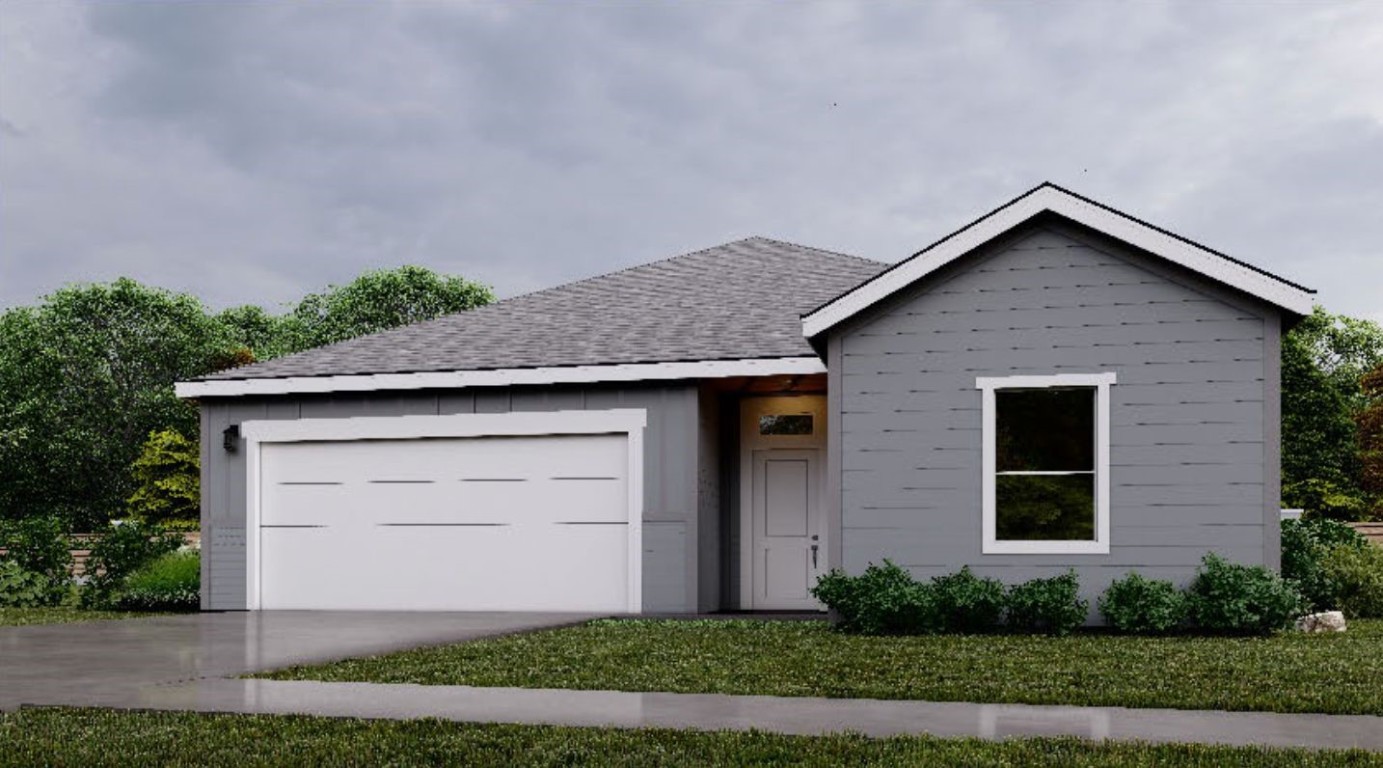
x: 672, y: 524
x: 1193, y: 413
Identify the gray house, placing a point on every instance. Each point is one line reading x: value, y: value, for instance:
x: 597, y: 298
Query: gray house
x: 1054, y: 385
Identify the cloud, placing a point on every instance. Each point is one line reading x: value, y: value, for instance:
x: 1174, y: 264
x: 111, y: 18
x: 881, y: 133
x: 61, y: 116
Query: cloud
x: 253, y: 152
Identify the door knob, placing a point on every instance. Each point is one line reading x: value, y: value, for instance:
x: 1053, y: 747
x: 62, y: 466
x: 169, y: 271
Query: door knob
x: 814, y: 548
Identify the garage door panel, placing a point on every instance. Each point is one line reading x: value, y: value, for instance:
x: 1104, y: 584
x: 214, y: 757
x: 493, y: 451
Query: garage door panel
x: 602, y: 500
x: 522, y: 523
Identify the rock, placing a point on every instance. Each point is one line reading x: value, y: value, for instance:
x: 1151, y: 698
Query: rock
x: 1329, y: 621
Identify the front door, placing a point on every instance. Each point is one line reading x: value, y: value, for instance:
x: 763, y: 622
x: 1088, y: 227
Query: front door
x: 787, y: 547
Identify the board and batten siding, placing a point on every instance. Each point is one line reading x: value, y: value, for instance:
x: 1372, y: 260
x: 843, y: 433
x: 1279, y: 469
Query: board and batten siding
x: 671, y: 453
x: 1193, y: 441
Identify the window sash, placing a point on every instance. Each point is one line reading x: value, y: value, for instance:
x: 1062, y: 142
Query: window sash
x: 990, y: 544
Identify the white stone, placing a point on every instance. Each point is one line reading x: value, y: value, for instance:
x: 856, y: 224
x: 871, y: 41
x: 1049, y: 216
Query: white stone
x: 1329, y: 621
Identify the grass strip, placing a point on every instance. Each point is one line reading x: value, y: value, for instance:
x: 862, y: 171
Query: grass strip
x: 92, y: 738
x: 1290, y: 672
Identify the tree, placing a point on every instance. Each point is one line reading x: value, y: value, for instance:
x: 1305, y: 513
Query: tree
x: 259, y: 335
x: 383, y: 299
x: 1370, y: 421
x: 1323, y: 360
x: 168, y: 480
x: 84, y: 377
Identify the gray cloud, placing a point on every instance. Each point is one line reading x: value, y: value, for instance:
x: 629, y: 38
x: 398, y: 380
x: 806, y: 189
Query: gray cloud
x: 252, y: 152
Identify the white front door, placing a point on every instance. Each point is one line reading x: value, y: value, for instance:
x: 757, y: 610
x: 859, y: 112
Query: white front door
x: 787, y: 546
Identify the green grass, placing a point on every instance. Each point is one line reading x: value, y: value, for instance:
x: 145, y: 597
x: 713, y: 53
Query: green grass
x: 1291, y: 672
x: 23, y: 617
x: 90, y: 738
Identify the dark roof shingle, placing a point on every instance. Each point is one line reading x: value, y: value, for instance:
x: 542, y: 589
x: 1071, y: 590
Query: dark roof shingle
x: 734, y: 301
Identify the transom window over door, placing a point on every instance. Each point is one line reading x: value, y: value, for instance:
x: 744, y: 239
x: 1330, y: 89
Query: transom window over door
x: 1046, y: 464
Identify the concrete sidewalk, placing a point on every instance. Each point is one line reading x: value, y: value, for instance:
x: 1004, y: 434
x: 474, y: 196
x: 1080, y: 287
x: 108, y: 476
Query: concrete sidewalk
x: 791, y: 715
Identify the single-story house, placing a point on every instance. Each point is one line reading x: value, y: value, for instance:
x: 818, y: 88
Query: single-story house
x: 1054, y: 385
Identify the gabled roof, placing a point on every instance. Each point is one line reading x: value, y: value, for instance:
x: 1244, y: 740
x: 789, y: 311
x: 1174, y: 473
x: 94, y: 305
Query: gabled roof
x: 1049, y: 198
x: 736, y: 302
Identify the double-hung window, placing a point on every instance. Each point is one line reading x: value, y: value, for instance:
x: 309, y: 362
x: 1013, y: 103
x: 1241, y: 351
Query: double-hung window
x: 1046, y: 463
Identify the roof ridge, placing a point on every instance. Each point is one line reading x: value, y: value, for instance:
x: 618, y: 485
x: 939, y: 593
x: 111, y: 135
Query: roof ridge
x: 813, y: 248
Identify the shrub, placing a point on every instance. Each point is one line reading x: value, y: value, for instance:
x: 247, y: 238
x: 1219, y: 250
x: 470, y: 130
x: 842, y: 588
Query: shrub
x: 968, y: 603
x: 1304, y: 547
x: 1050, y: 605
x: 884, y: 600
x: 37, y: 561
x: 39, y: 545
x: 119, y: 552
x: 20, y: 588
x: 170, y: 583
x: 1357, y: 574
x: 1228, y: 598
x: 1143, y: 606
x: 169, y: 481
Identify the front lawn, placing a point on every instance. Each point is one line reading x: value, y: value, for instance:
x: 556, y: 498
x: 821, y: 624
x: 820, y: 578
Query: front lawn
x: 90, y: 738
x: 23, y: 617
x: 1338, y: 674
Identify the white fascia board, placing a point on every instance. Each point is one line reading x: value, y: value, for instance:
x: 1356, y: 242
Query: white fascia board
x: 507, y: 377
x: 515, y: 424
x: 1081, y: 211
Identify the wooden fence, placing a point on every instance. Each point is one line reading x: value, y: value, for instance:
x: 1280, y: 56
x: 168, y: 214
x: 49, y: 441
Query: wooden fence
x: 83, y: 549
x: 1372, y: 531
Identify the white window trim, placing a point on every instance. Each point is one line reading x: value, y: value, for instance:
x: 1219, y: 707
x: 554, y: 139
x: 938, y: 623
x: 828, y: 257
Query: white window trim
x: 991, y: 545
x: 629, y: 421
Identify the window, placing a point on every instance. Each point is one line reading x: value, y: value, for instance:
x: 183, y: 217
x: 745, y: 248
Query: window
x: 1046, y: 464
x: 785, y: 424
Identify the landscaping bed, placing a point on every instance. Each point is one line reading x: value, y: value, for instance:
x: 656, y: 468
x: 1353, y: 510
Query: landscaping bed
x: 90, y: 738
x: 1289, y: 672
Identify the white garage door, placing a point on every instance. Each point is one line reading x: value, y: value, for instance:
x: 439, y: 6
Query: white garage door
x: 470, y: 523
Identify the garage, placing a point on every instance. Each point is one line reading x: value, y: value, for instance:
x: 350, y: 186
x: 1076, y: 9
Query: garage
x: 478, y: 512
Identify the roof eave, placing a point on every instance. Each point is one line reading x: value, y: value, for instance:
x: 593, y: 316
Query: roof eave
x: 501, y: 377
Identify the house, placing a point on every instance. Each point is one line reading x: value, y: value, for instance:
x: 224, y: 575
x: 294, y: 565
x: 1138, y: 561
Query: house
x: 1054, y: 385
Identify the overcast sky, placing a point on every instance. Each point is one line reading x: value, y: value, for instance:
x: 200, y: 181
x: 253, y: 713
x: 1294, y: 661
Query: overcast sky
x: 251, y: 153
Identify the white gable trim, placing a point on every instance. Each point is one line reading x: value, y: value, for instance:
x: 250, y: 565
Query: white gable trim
x: 506, y: 377
x: 1049, y: 198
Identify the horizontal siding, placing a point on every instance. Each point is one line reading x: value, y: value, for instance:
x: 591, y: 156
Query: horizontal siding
x: 1187, y: 414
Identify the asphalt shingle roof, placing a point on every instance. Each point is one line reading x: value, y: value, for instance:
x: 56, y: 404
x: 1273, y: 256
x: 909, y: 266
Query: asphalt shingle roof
x: 734, y: 301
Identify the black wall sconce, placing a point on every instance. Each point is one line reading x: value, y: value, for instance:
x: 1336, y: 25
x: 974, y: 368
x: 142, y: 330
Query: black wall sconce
x: 230, y: 438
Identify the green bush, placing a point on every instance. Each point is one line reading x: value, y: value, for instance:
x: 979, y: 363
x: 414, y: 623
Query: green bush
x: 1357, y: 573
x: 1143, y: 606
x: 170, y: 583
x: 168, y: 481
x: 119, y: 552
x: 1304, y: 547
x: 1227, y: 598
x: 39, y: 545
x: 1050, y: 605
x: 20, y: 588
x: 884, y: 600
x: 37, y: 562
x: 967, y: 603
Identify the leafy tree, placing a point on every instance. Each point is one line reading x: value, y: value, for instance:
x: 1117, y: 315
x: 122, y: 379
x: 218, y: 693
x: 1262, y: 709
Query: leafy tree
x: 169, y: 481
x: 259, y: 335
x: 383, y: 299
x: 84, y: 377
x: 1323, y: 359
x: 1370, y: 421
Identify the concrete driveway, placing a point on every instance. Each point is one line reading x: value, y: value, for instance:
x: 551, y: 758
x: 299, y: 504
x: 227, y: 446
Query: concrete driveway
x: 115, y: 663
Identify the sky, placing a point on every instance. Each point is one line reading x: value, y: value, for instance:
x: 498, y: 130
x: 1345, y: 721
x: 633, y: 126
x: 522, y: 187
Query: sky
x: 253, y: 152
